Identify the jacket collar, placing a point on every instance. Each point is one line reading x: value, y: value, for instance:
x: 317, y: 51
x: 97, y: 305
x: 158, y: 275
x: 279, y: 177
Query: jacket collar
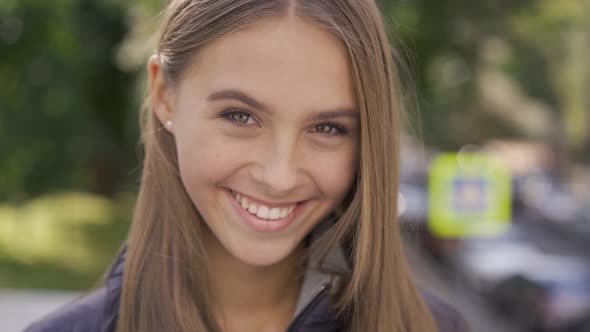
x: 320, y: 275
x: 320, y: 278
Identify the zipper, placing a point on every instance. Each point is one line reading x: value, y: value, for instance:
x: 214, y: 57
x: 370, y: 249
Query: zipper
x: 314, y: 299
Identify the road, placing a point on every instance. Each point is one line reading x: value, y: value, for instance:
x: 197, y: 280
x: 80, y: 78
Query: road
x: 20, y: 307
x: 450, y: 288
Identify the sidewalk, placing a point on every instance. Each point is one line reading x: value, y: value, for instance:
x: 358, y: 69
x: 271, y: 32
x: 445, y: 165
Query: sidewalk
x: 18, y: 308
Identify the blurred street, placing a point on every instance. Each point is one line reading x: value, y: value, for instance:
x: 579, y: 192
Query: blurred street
x: 452, y: 290
x: 20, y: 307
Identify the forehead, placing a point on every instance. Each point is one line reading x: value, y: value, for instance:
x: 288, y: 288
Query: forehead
x: 282, y: 61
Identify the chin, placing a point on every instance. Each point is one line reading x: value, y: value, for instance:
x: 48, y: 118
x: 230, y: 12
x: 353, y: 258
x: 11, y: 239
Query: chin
x: 261, y: 254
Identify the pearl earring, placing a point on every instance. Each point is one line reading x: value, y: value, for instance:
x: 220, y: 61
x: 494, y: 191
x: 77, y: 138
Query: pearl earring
x: 168, y: 123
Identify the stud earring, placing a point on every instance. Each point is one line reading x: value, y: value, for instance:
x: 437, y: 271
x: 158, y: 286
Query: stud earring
x: 168, y: 123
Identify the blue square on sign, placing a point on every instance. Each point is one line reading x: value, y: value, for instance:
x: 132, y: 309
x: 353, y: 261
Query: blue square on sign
x: 470, y: 195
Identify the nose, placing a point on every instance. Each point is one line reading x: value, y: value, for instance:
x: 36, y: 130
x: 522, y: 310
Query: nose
x: 276, y: 166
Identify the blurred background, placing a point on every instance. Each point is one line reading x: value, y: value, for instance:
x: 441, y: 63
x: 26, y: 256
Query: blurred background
x: 508, y: 79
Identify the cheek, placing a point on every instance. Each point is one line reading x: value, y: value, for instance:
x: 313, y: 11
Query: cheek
x: 335, y: 173
x: 203, y: 157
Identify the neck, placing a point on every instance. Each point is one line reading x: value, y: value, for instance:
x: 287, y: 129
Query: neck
x: 262, y: 296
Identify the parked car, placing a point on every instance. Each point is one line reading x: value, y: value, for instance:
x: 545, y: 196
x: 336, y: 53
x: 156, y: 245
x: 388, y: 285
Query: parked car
x: 541, y: 291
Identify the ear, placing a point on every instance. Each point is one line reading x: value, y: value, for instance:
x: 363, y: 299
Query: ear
x: 160, y: 94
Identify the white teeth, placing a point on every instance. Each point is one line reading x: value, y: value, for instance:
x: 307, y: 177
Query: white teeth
x: 274, y: 213
x: 252, y: 208
x: 244, y: 203
x: 262, y: 212
x: 284, y: 213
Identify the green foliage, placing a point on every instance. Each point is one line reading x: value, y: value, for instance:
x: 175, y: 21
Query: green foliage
x: 450, y: 43
x: 63, y: 240
x: 65, y: 106
x: 559, y: 35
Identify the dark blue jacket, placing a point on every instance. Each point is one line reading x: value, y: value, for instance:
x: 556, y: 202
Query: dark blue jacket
x: 98, y: 311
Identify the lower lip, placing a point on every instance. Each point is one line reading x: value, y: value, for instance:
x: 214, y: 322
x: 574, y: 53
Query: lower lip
x: 262, y: 225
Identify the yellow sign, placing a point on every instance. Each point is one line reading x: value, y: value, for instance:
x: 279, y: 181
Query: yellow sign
x: 470, y: 194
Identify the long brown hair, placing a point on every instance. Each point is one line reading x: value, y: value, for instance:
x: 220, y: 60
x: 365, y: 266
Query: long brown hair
x: 164, y: 285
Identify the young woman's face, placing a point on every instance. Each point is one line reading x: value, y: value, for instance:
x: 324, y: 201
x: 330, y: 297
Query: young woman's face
x: 266, y: 127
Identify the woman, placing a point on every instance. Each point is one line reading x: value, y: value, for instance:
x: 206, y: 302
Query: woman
x: 268, y: 196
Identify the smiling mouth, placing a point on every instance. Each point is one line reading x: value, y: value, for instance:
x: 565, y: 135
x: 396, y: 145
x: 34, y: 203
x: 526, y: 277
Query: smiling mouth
x: 263, y: 211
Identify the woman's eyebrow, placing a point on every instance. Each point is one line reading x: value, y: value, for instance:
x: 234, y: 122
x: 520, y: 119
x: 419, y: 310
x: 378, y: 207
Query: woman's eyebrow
x: 237, y: 95
x: 338, y: 113
x: 243, y: 97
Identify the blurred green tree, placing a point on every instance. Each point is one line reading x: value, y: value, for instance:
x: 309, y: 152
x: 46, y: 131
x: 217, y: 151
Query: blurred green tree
x: 67, y: 111
x: 498, y: 69
x: 559, y: 34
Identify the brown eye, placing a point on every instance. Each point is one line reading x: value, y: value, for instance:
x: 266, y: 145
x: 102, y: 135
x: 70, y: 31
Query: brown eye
x: 324, y: 129
x: 240, y: 117
x: 330, y: 129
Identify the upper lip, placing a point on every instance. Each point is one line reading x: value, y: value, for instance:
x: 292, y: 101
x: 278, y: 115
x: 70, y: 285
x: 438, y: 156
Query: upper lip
x: 265, y: 202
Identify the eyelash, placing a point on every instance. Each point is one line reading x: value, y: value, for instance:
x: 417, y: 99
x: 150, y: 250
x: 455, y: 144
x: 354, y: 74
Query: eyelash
x: 229, y: 113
